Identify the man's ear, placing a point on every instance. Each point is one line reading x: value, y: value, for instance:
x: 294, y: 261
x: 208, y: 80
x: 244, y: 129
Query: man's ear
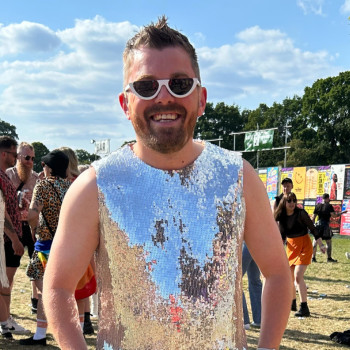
x: 123, y: 100
x: 202, y: 101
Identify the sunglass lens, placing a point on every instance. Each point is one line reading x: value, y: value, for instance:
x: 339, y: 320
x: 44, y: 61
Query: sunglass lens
x: 181, y: 86
x: 146, y: 88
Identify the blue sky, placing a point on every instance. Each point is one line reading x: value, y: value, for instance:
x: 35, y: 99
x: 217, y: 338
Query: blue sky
x: 61, y: 69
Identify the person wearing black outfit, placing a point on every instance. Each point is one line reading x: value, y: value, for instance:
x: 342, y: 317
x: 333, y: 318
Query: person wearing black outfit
x: 325, y: 211
x: 294, y: 224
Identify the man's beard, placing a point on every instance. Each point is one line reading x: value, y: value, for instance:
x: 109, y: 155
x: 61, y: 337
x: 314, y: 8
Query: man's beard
x: 166, y: 140
x: 23, y: 172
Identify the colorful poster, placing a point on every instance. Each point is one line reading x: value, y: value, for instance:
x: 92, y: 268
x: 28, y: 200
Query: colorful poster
x: 311, y: 183
x: 299, y: 175
x: 347, y: 182
x: 271, y: 183
x: 337, y: 186
x: 345, y: 218
x: 334, y: 223
x: 324, y: 180
x: 309, y: 207
x: 263, y: 175
x: 300, y: 204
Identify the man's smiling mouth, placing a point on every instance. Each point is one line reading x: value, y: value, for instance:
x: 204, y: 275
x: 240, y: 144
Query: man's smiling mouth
x: 165, y: 117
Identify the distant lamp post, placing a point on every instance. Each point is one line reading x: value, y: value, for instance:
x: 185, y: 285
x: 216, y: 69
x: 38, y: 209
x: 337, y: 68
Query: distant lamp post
x: 92, y: 141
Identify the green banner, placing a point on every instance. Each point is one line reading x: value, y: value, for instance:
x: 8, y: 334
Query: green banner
x: 260, y: 139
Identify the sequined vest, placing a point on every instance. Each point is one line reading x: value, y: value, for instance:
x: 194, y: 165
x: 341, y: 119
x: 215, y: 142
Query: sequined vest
x: 169, y: 256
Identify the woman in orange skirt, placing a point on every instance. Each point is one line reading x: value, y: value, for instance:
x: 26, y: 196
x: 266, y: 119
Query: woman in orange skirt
x: 294, y: 223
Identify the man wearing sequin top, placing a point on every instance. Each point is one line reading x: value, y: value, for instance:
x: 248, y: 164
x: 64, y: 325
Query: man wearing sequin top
x: 167, y: 216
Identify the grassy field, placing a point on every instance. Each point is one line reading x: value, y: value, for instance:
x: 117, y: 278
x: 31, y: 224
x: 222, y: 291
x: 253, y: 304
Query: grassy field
x: 329, y: 313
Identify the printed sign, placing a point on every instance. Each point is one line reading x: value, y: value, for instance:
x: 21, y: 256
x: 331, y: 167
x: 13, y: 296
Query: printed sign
x: 337, y: 186
x: 309, y: 207
x: 271, y: 183
x: 259, y: 139
x: 345, y: 218
x: 311, y: 183
x: 346, y: 194
x: 263, y: 175
x: 299, y: 175
x: 334, y: 223
x: 323, y: 182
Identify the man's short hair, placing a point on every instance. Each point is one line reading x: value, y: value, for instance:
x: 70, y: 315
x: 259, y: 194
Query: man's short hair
x: 287, y: 180
x: 159, y: 36
x: 325, y: 196
x: 7, y: 142
x: 23, y: 145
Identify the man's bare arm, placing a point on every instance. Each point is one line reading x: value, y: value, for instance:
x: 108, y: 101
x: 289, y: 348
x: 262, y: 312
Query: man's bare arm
x: 75, y: 241
x: 33, y: 215
x: 265, y: 245
x: 11, y: 233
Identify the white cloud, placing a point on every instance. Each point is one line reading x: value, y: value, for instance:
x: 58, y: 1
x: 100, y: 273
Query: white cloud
x: 27, y: 37
x: 345, y: 8
x: 67, y: 94
x: 313, y: 6
x: 264, y: 64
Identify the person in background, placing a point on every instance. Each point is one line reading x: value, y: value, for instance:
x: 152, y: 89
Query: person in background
x: 84, y: 303
x: 83, y: 167
x: 72, y: 171
x: 294, y: 223
x: 43, y: 217
x: 255, y: 289
x: 325, y: 211
x: 13, y: 233
x: 168, y: 215
x: 287, y: 185
x: 24, y: 179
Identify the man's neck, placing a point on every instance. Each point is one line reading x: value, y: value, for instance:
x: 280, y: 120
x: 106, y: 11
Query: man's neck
x: 169, y: 161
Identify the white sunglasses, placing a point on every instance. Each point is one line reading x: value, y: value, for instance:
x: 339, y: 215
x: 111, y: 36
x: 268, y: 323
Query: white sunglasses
x: 149, y: 89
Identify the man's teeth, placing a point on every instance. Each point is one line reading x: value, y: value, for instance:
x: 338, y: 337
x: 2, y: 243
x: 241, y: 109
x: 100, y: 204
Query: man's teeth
x: 159, y: 117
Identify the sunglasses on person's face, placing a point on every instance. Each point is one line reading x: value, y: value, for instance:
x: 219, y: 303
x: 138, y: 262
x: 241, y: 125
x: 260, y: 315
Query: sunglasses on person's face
x: 29, y: 158
x: 291, y: 201
x: 149, y: 89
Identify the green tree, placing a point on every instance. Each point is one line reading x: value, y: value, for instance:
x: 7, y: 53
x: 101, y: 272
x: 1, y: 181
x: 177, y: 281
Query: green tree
x: 326, y: 111
x: 40, y: 151
x: 219, y: 122
x: 7, y: 129
x: 85, y: 157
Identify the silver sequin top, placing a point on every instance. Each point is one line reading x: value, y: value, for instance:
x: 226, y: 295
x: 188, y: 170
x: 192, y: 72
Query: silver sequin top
x: 169, y: 253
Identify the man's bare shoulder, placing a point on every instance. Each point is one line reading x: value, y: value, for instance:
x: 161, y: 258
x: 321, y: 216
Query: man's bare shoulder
x: 85, y: 182
x: 11, y: 173
x: 250, y: 177
x: 254, y: 190
x: 81, y: 200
